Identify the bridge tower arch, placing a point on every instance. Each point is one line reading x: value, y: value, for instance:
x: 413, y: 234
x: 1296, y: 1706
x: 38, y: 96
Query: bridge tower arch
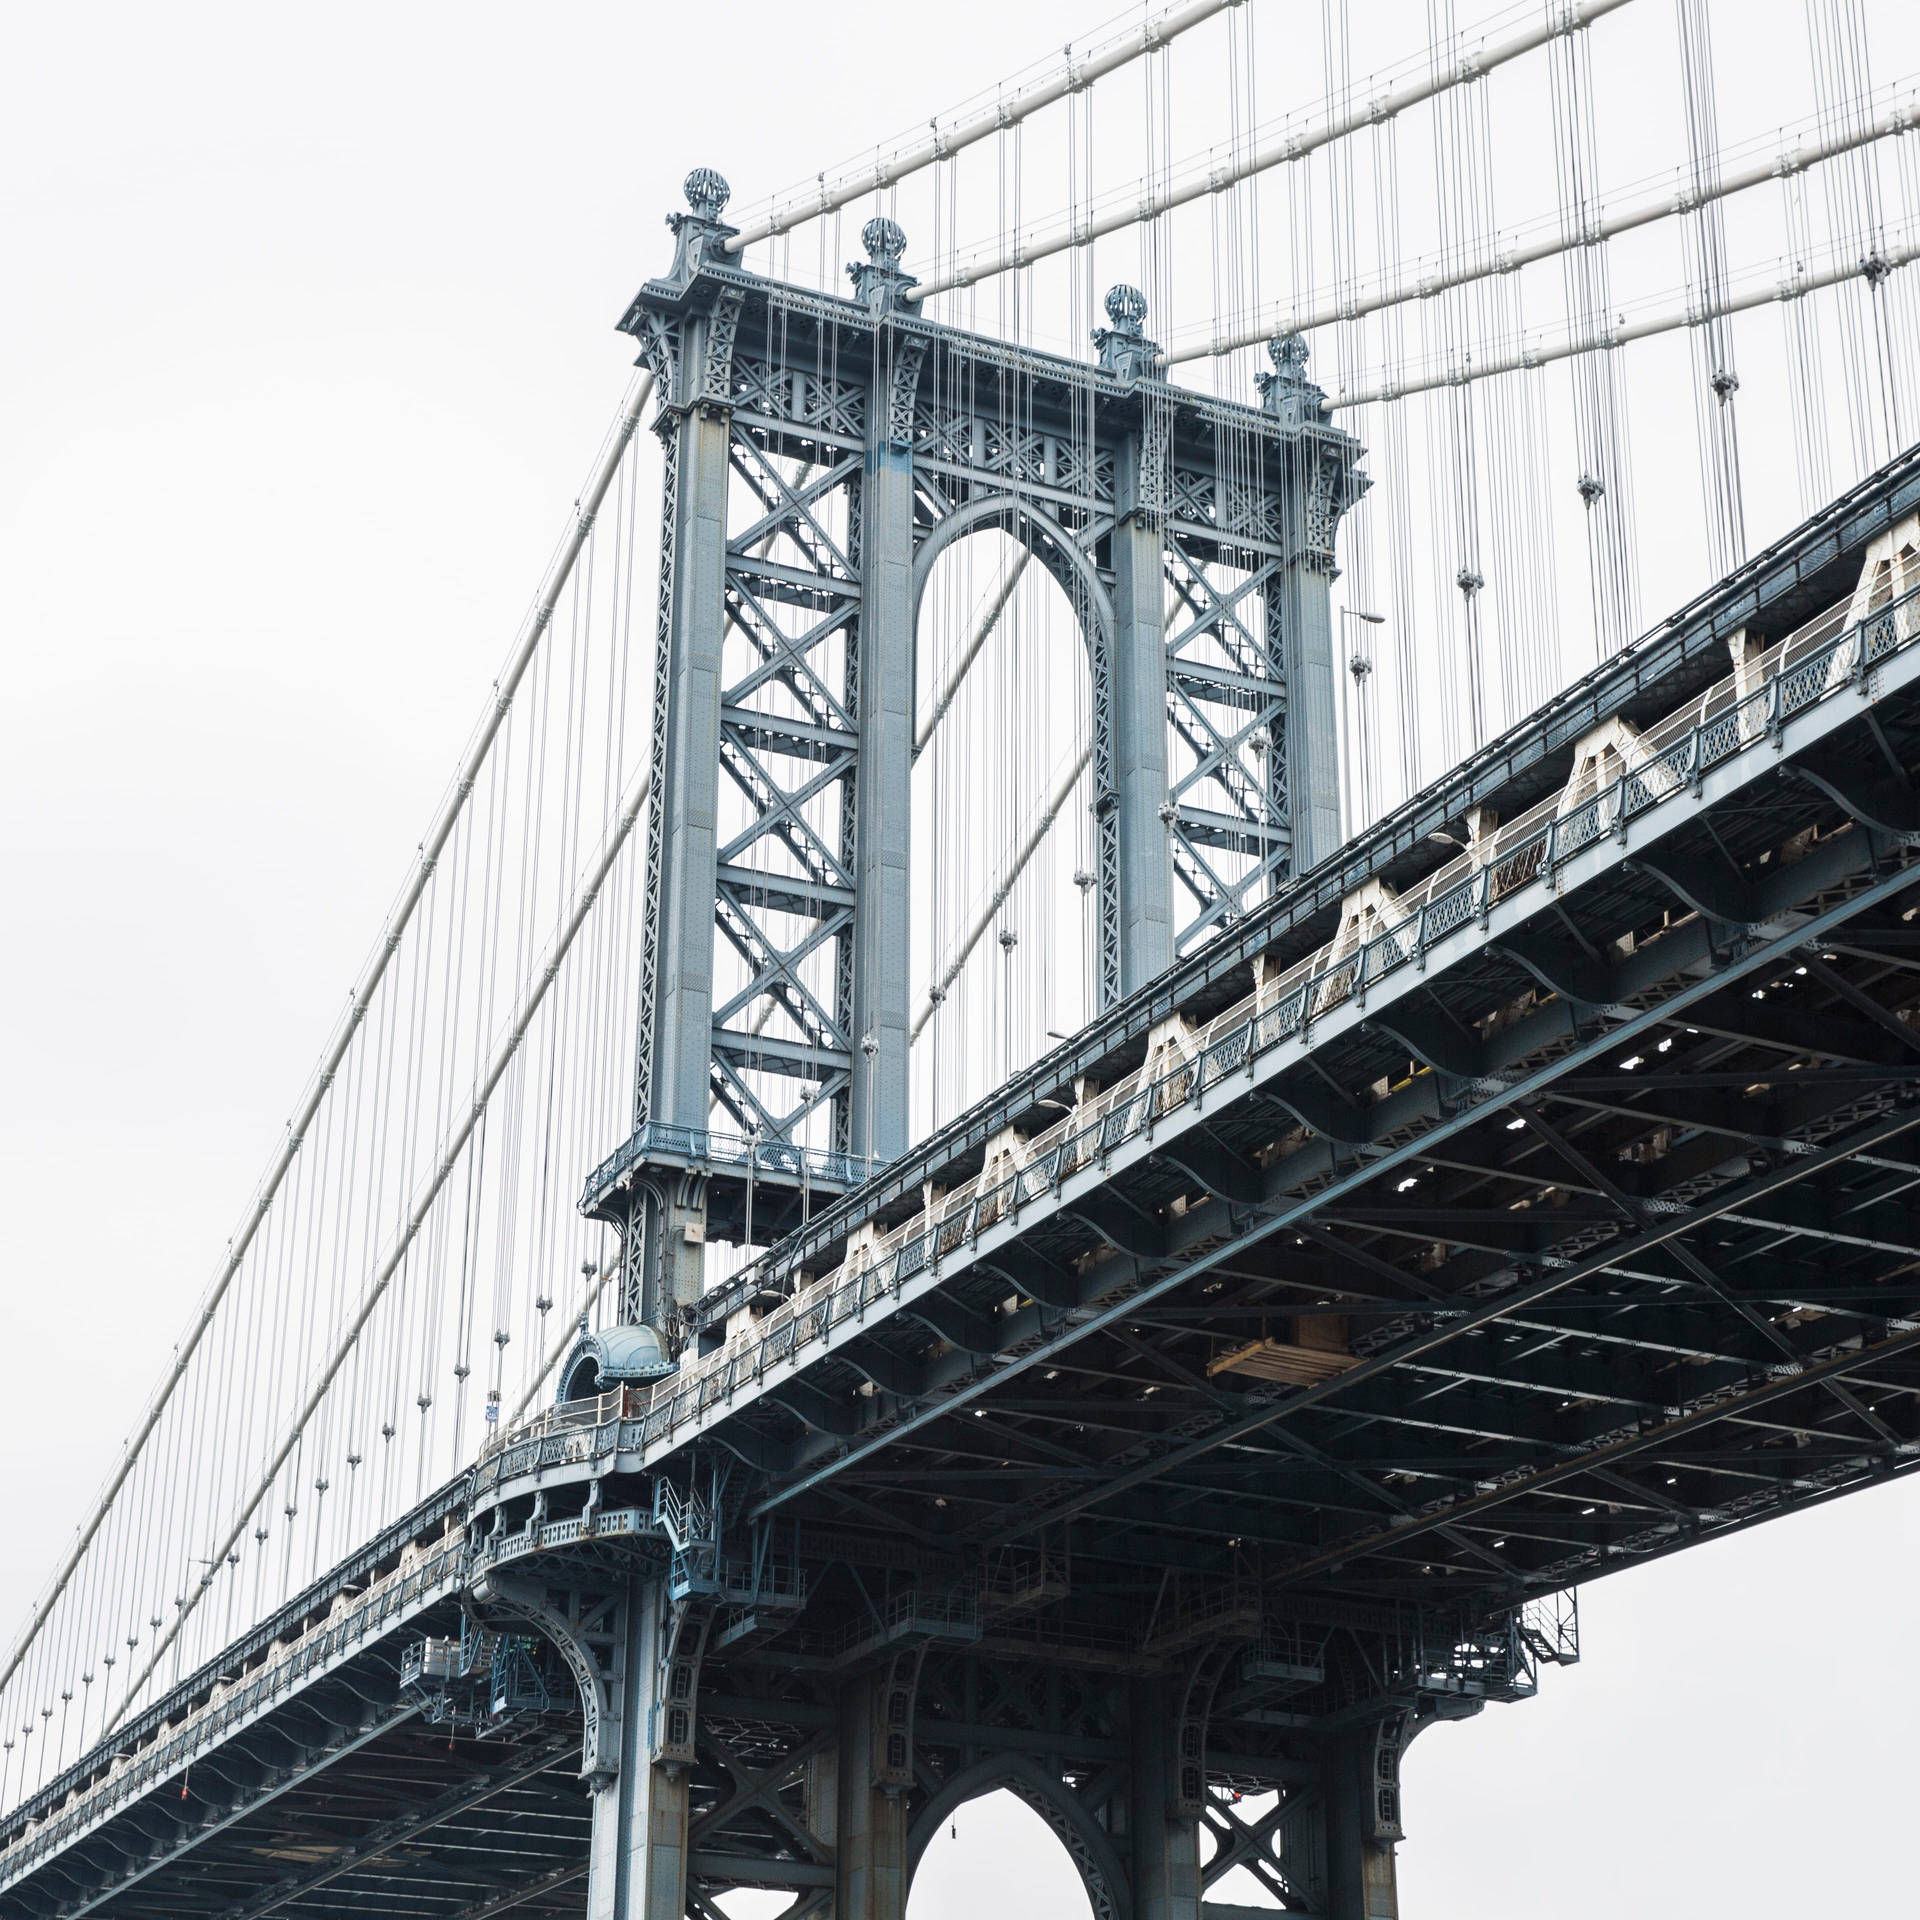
x: 820, y: 454
x: 1012, y: 621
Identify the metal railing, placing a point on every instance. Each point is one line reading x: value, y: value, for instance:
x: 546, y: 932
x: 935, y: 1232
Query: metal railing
x: 1817, y: 662
x: 400, y: 1593
x: 778, y: 1160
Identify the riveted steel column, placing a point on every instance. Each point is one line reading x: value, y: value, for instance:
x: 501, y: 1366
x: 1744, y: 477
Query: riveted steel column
x: 882, y: 916
x: 1166, y: 1844
x: 1314, y: 476
x: 871, y: 1846
x: 1305, y: 605
x: 667, y: 1238
x: 1139, y: 721
x: 1361, y: 1786
x: 637, y: 1862
x: 690, y: 787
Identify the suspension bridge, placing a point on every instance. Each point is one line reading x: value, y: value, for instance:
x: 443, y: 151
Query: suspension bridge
x: 1046, y: 1153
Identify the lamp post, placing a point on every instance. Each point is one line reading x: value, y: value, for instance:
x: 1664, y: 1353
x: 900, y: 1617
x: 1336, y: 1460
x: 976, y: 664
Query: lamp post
x: 1360, y: 666
x: 869, y: 1045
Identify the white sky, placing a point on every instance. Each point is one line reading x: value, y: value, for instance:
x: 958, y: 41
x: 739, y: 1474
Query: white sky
x: 306, y: 342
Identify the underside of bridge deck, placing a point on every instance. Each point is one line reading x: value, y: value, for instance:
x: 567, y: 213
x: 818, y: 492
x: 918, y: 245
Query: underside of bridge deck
x: 413, y: 1822
x: 345, y: 1802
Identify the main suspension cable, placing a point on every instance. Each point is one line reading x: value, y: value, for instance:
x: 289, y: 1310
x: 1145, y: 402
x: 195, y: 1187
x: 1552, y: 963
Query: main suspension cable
x: 1154, y: 199
x: 504, y: 1056
x: 1900, y: 117
x: 941, y: 143
x: 1877, y: 267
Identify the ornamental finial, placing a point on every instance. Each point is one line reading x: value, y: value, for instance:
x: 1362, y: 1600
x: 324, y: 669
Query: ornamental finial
x: 1286, y: 391
x: 1126, y: 308
x: 707, y: 193
x: 1288, y: 352
x: 885, y: 241
x: 1124, y: 347
x: 880, y: 283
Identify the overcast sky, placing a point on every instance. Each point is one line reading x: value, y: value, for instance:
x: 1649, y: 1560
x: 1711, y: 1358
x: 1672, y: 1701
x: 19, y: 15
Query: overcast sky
x: 306, y: 341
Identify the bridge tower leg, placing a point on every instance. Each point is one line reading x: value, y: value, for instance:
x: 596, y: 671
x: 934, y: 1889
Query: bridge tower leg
x: 871, y: 1869
x: 676, y: 1014
x: 882, y: 839
x: 638, y: 1859
x: 1165, y: 1839
x: 1143, y: 856
x: 1320, y: 481
x: 1360, y: 1788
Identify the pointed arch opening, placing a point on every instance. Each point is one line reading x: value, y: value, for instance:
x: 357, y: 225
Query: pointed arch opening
x: 1005, y: 906
x: 1006, y: 1836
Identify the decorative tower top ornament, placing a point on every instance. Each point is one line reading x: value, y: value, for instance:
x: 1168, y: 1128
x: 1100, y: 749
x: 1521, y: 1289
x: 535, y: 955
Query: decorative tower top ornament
x: 698, y: 234
x: 1287, y: 391
x: 1124, y: 347
x: 707, y: 193
x: 885, y: 241
x: 879, y: 281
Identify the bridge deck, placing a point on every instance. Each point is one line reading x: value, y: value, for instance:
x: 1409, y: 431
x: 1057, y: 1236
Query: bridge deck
x: 1565, y: 1219
x: 1536, y: 1164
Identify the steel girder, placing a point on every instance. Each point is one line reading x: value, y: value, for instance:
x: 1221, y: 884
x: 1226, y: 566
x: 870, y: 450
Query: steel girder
x: 1644, y: 1229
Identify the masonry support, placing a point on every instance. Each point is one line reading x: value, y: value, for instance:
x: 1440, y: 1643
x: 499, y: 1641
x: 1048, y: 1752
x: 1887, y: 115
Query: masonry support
x: 882, y: 988
x: 1140, y: 720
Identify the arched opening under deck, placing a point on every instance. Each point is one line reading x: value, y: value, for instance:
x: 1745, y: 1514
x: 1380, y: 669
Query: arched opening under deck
x: 1004, y: 1839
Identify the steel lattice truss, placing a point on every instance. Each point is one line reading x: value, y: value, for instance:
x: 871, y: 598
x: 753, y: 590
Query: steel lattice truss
x: 787, y: 412
x: 1229, y: 712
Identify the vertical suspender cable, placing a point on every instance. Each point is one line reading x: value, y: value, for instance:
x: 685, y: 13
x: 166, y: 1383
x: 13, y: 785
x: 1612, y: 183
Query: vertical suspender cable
x: 558, y: 572
x: 504, y: 1055
x: 1008, y: 110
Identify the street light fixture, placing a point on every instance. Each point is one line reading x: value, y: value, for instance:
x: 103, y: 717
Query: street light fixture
x: 1360, y: 666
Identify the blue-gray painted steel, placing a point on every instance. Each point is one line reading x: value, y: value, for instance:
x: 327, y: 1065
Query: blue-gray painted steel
x: 1126, y: 490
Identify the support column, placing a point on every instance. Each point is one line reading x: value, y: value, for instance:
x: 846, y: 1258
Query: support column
x: 1166, y: 1844
x: 683, y: 825
x: 1361, y: 1785
x: 683, y: 941
x: 1305, y: 606
x: 638, y: 1856
x: 1140, y: 723
x: 882, y: 915
x: 871, y: 1832
x: 1317, y: 479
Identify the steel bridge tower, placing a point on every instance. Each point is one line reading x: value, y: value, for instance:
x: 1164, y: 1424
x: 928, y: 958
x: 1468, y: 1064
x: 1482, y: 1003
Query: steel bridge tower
x: 863, y: 441
x: 858, y: 441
